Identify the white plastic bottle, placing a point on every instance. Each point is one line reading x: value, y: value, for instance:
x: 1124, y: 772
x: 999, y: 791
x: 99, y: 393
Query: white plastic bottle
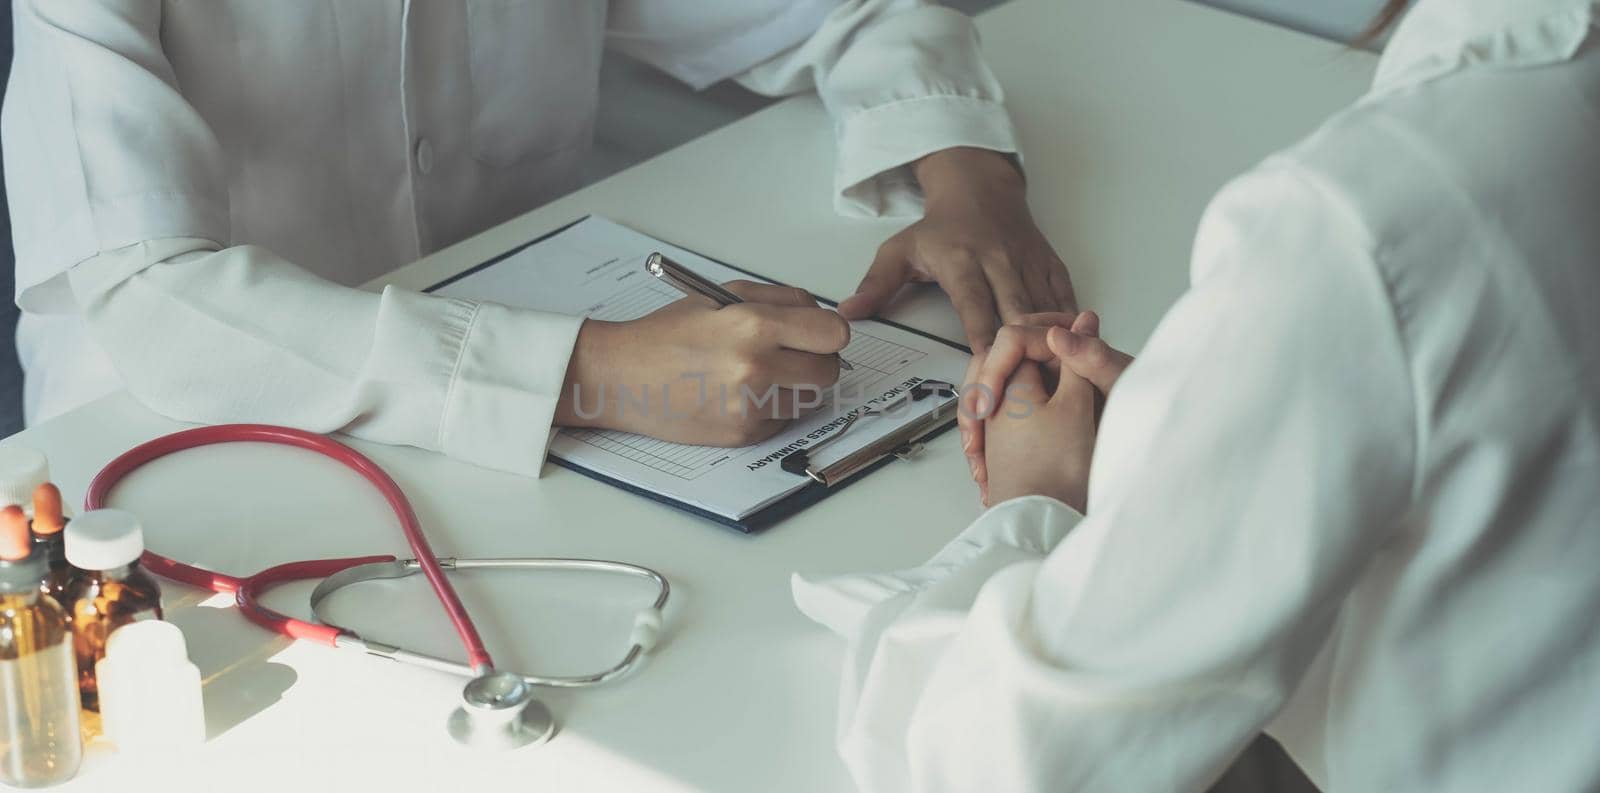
x: 149, y: 691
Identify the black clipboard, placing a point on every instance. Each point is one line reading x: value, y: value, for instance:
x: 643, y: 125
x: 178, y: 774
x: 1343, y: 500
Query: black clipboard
x: 771, y: 514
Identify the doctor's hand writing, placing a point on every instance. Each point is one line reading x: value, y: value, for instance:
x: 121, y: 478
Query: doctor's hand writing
x: 977, y: 240
x: 1060, y: 347
x: 695, y: 373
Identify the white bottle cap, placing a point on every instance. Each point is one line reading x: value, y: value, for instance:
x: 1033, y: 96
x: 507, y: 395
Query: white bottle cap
x: 21, y: 470
x: 103, y: 539
x: 157, y: 643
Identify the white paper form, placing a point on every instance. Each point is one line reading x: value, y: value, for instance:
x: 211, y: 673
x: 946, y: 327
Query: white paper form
x: 596, y: 268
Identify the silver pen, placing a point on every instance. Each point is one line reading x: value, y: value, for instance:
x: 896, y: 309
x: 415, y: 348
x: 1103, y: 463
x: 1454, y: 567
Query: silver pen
x: 692, y: 283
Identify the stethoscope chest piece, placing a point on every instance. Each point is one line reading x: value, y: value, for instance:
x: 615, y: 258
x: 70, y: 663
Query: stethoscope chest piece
x: 498, y: 711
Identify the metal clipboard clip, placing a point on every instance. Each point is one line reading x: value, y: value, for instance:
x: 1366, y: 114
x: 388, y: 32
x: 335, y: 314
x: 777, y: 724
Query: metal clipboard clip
x: 904, y: 443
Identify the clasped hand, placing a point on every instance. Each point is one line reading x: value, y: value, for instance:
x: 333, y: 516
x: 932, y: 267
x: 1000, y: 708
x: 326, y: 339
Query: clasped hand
x: 1029, y: 409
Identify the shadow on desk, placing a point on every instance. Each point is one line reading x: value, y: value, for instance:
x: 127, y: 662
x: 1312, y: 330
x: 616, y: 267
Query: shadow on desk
x: 237, y: 679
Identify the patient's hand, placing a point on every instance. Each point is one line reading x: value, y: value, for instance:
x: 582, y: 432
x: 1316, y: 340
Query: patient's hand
x: 1052, y: 342
x: 1039, y: 442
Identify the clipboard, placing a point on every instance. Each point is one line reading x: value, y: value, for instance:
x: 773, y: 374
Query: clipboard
x: 823, y: 473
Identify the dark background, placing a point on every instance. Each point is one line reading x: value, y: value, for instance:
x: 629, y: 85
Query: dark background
x: 10, y: 371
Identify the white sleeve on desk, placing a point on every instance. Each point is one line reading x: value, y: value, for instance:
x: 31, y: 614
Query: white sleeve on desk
x: 876, y: 145
x: 239, y: 334
x: 503, y: 395
x: 897, y: 625
x: 902, y: 79
x: 1017, y: 530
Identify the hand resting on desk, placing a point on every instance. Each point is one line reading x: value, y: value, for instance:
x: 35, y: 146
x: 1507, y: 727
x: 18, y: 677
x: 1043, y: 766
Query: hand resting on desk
x: 977, y: 240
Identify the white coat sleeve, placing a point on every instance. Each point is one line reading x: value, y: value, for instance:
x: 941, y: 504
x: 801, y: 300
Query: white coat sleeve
x: 901, y: 78
x: 239, y: 334
x: 123, y: 214
x: 1251, y: 466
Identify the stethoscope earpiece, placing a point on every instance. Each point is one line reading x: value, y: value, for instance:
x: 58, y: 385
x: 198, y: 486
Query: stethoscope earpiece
x: 498, y: 711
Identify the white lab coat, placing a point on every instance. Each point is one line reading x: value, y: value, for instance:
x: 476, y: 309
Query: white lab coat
x: 1349, y: 493
x: 196, y: 184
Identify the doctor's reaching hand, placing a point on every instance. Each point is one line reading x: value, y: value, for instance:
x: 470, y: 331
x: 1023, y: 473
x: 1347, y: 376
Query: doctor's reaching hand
x: 977, y: 240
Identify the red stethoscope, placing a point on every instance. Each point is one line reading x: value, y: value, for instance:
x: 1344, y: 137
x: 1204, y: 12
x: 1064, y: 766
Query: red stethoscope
x: 498, y: 708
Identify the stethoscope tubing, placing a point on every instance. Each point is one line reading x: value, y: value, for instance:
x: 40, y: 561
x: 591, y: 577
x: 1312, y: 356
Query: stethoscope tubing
x: 245, y: 590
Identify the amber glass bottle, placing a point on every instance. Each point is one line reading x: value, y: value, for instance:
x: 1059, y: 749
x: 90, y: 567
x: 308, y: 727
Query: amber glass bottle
x: 39, y: 740
x: 111, y: 591
x: 50, y: 541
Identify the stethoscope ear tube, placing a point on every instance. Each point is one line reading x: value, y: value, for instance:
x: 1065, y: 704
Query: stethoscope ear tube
x: 642, y: 639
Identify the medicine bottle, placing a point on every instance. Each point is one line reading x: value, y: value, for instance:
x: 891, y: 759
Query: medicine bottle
x: 150, y: 699
x: 112, y: 591
x: 39, y: 740
x: 25, y: 480
x: 50, y: 541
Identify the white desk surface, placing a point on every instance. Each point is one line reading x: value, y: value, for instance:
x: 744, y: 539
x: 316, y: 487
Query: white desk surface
x: 1132, y: 113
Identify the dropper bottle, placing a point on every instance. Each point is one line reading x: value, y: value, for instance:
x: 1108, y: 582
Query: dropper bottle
x: 49, y: 540
x: 39, y: 740
x: 25, y: 478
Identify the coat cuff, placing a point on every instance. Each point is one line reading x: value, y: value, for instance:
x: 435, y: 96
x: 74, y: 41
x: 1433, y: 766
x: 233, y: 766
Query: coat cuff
x: 877, y: 145
x: 1021, y: 529
x: 507, y: 381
